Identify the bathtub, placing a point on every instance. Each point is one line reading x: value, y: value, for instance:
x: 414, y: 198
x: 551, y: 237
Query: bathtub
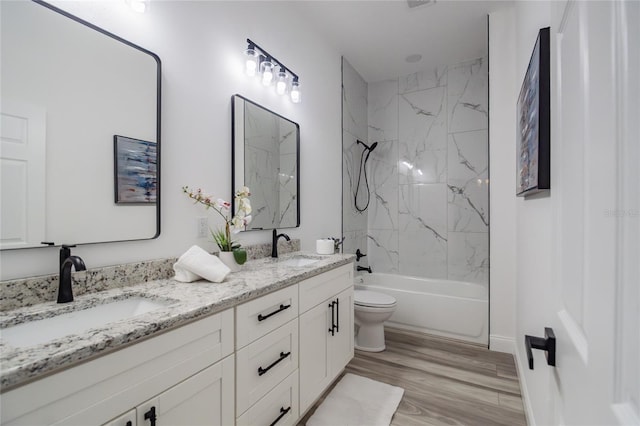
x: 453, y: 309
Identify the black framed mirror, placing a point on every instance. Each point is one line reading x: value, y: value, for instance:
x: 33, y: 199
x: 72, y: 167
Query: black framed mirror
x: 68, y: 88
x: 266, y: 158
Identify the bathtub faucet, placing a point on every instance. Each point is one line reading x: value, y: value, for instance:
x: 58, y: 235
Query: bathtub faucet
x: 359, y: 255
x: 362, y: 268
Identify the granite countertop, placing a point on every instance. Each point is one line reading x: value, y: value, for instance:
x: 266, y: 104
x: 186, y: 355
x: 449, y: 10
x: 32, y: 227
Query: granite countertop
x: 186, y: 302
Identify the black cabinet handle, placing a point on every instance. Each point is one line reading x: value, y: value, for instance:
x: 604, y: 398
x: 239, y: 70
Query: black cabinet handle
x: 333, y: 321
x: 151, y: 416
x: 280, y: 309
x: 548, y: 344
x: 283, y: 412
x: 283, y: 355
x: 338, y: 315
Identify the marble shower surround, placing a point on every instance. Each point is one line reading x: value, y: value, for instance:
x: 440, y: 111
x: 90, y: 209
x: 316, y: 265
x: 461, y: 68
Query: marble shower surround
x: 354, y: 127
x: 429, y: 174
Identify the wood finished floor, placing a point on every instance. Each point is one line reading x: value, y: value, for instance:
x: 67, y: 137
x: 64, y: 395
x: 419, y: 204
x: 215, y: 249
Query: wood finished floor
x: 446, y: 382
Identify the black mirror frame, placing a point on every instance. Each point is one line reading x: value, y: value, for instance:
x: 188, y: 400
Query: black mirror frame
x: 233, y: 164
x: 158, y: 117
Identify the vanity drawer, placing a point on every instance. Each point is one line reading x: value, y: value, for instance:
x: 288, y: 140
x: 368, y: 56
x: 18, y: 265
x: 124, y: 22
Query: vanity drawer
x: 260, y: 316
x: 264, y: 363
x: 321, y: 287
x: 279, y: 404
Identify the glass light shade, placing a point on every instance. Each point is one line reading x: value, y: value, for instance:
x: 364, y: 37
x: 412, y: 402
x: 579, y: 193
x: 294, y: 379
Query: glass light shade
x: 251, y: 64
x: 266, y: 68
x: 295, y: 92
x: 281, y: 85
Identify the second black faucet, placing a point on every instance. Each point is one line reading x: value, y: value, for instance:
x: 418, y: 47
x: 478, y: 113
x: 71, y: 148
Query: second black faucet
x: 65, y: 292
x: 274, y: 242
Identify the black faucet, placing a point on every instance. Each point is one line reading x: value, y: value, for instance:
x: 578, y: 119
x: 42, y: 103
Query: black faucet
x: 362, y: 268
x: 274, y: 242
x: 359, y: 255
x: 65, y: 293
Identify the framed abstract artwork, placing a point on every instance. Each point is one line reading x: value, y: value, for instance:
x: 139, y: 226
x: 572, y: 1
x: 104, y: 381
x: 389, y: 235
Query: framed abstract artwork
x: 136, y: 171
x: 533, y: 160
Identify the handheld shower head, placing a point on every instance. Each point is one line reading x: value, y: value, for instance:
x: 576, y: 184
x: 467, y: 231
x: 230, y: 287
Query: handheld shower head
x: 373, y: 146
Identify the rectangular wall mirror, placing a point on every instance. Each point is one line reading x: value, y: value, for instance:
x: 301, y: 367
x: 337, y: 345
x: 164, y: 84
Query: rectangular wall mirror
x: 266, y: 158
x: 68, y: 88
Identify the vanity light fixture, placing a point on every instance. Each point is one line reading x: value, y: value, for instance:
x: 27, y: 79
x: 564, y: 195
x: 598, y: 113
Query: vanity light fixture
x: 260, y: 62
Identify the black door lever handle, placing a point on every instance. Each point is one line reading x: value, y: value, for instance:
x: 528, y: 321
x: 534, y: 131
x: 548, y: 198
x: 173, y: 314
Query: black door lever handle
x: 548, y: 344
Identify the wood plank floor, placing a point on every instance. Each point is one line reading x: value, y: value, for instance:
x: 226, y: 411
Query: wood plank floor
x: 446, y: 382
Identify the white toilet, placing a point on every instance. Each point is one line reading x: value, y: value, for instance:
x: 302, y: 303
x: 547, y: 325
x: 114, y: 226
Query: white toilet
x: 371, y: 310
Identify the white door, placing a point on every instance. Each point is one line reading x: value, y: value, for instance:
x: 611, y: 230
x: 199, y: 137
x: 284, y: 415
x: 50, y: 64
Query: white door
x: 595, y: 142
x: 22, y: 175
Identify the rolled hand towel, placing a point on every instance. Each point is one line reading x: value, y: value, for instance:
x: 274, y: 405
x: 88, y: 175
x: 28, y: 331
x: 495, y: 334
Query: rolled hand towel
x: 196, y: 263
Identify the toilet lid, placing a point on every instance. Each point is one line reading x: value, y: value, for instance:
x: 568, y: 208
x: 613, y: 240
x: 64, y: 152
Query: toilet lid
x: 372, y: 298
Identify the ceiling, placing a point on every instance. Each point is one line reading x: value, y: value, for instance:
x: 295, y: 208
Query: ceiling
x: 376, y: 37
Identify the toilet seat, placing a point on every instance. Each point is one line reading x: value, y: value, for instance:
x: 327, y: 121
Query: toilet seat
x: 373, y: 299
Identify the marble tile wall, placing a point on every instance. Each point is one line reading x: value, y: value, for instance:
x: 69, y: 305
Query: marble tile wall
x: 429, y: 214
x: 354, y: 127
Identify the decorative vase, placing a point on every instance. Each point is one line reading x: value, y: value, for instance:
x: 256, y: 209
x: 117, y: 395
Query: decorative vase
x: 240, y: 255
x: 228, y: 259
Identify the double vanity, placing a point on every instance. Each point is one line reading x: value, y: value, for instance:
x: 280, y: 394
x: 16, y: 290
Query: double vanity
x: 259, y: 348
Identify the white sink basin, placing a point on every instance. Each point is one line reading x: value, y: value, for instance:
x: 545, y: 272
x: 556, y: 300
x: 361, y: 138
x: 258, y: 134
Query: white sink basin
x: 299, y: 261
x: 48, y: 329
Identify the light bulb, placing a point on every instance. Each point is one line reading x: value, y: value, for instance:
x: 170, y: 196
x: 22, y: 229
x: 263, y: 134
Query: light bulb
x: 252, y: 61
x: 266, y: 68
x: 281, y: 85
x: 295, y: 91
x: 139, y: 6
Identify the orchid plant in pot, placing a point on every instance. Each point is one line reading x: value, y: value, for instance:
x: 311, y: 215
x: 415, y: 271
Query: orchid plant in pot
x: 230, y: 251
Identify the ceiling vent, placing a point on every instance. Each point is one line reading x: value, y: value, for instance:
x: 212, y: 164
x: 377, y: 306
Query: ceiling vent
x: 417, y: 3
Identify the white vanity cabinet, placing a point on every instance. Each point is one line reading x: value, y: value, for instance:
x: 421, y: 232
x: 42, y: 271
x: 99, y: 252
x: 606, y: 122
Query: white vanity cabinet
x: 267, y: 354
x: 326, y: 331
x: 263, y: 362
x: 187, y: 372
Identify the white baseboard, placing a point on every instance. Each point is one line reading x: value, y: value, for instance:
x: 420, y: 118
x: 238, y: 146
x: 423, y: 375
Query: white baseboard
x: 502, y: 344
x: 522, y: 366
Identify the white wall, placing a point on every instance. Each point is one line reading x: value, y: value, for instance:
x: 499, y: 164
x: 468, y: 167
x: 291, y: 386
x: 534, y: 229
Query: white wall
x: 502, y: 156
x: 520, y: 228
x: 200, y: 45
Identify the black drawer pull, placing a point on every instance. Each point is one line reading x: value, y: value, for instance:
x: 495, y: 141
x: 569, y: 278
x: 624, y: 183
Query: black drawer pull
x: 333, y: 319
x: 338, y: 315
x: 151, y: 416
x: 283, y: 412
x: 283, y: 355
x: 280, y: 309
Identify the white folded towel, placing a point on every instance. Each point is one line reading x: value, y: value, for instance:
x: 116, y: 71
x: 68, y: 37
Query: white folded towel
x: 196, y: 264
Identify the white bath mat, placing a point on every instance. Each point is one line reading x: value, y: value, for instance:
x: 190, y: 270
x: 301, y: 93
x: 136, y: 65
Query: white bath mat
x: 358, y: 401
